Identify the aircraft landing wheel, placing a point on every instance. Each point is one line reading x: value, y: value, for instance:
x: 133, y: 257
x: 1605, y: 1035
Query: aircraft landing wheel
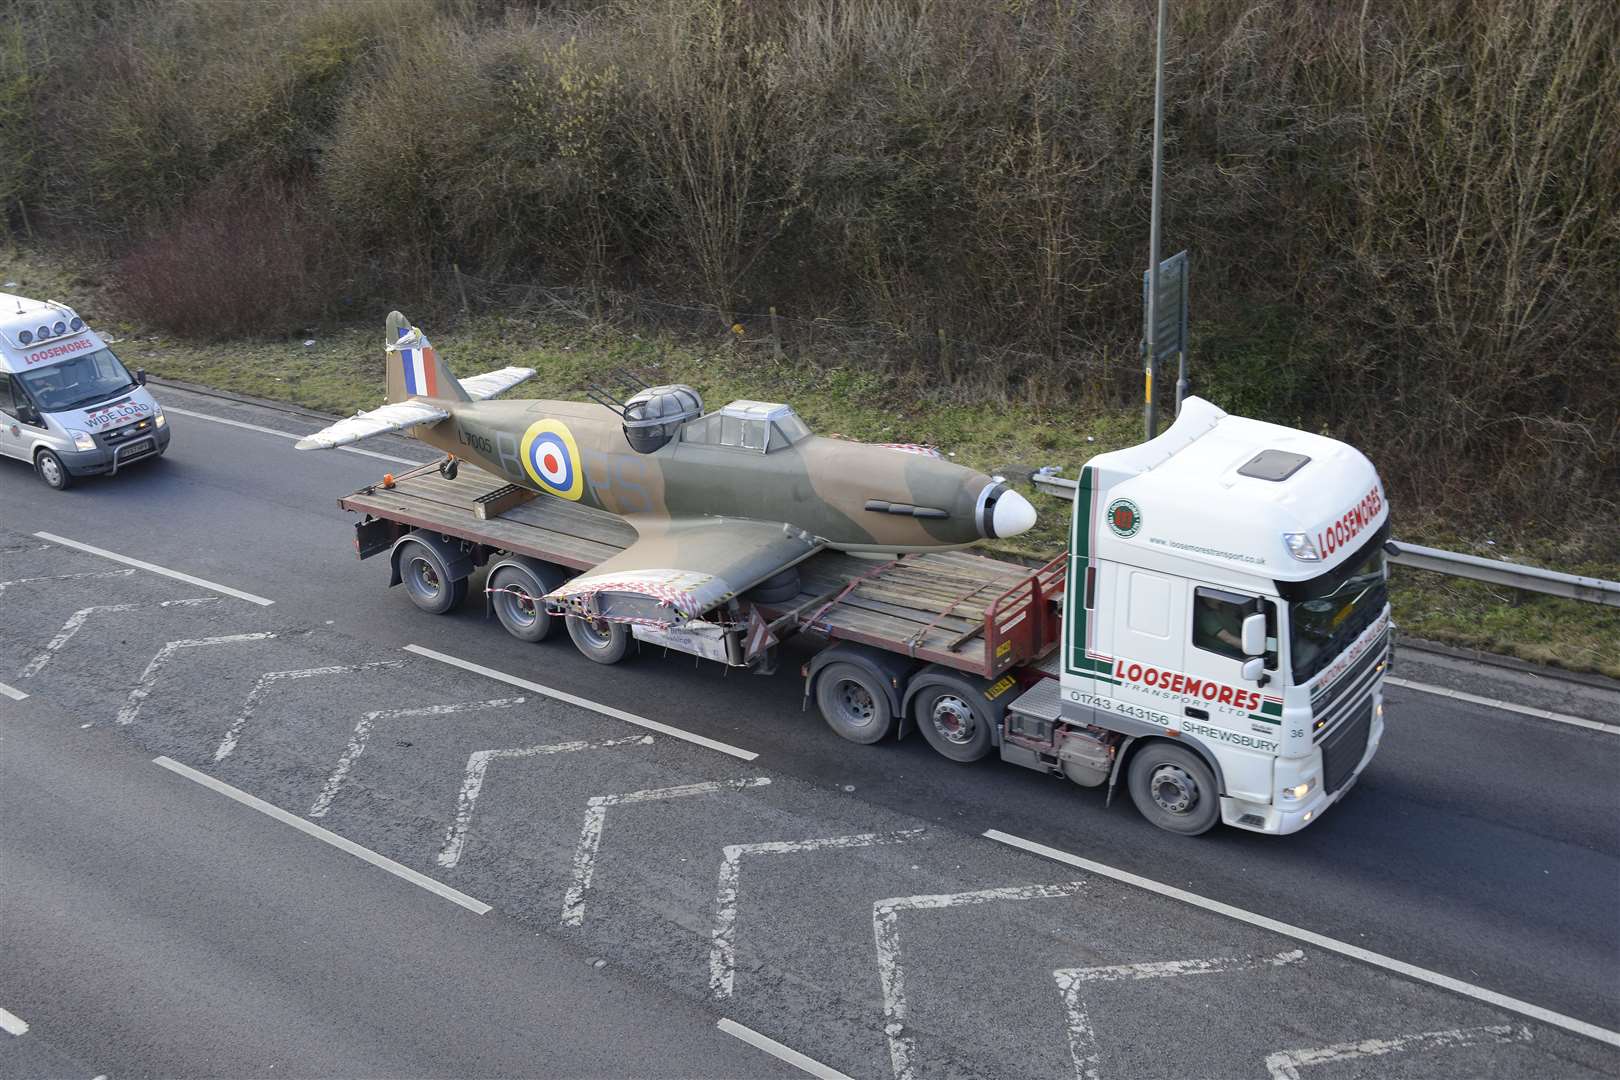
x: 427, y: 580
x: 601, y: 641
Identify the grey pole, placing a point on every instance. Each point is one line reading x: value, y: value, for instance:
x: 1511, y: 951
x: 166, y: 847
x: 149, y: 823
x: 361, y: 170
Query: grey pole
x: 1150, y: 414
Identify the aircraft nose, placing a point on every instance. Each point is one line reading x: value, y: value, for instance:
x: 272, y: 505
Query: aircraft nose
x: 1002, y: 512
x: 1012, y: 515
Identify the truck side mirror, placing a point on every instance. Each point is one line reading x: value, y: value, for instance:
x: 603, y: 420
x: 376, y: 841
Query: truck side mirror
x: 140, y: 376
x: 1254, y: 669
x: 1254, y: 634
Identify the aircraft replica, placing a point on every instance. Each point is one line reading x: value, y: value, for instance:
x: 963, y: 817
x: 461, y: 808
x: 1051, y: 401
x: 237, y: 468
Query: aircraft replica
x: 720, y: 501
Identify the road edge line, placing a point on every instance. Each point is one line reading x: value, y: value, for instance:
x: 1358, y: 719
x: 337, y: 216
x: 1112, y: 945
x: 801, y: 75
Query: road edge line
x: 382, y: 862
x: 12, y: 692
x: 139, y: 564
x: 802, y: 1062
x: 1506, y: 706
x: 1311, y: 937
x: 12, y: 1024
x: 584, y: 703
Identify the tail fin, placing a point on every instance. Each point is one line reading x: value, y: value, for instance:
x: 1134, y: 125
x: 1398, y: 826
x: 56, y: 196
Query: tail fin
x: 415, y: 369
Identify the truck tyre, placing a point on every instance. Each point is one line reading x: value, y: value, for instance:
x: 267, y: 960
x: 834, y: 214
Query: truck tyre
x: 853, y: 704
x: 52, y: 471
x: 954, y: 721
x: 601, y: 641
x: 427, y: 580
x: 1174, y: 789
x: 515, y: 593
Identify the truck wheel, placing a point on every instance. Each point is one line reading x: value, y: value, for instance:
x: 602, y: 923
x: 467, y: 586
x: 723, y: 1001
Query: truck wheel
x: 515, y: 594
x: 52, y: 471
x: 427, y: 580
x: 853, y: 703
x: 601, y: 641
x: 953, y: 721
x: 1174, y: 789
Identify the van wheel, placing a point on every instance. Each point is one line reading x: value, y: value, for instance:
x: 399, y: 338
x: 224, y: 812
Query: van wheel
x: 953, y: 722
x: 515, y: 593
x: 602, y: 641
x: 1174, y: 789
x: 427, y: 580
x: 52, y: 471
x: 853, y: 703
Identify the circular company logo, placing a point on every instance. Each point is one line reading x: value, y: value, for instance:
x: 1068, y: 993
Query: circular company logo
x: 551, y: 459
x: 1124, y: 517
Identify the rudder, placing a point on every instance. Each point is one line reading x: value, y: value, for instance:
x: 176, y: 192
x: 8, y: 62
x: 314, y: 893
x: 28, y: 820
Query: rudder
x: 414, y: 367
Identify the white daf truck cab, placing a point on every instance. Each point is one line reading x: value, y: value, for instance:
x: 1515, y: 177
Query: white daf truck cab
x: 1226, y: 627
x: 68, y: 405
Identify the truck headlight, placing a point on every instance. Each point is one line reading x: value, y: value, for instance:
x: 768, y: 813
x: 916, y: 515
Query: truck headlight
x: 1301, y: 548
x: 82, y: 440
x: 1299, y: 791
x: 161, y: 421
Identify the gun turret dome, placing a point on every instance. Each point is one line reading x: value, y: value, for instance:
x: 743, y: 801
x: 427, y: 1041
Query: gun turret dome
x: 654, y: 416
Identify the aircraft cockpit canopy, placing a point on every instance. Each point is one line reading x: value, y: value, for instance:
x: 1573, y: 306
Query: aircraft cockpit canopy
x: 654, y: 415
x: 760, y: 426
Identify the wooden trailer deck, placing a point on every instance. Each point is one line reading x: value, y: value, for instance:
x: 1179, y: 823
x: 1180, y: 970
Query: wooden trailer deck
x: 961, y: 610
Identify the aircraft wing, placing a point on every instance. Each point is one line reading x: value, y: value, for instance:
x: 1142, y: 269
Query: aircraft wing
x: 678, y: 570
x: 394, y: 417
x: 487, y: 385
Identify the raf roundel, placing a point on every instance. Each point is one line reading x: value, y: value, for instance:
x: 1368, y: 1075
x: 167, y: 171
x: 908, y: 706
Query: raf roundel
x: 551, y: 458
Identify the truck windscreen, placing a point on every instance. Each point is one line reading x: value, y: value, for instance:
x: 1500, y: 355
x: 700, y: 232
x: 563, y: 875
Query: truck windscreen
x: 1327, y: 613
x: 73, y: 384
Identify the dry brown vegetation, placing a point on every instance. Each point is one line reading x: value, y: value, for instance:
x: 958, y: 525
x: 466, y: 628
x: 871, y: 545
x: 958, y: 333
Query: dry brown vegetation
x: 1403, y: 216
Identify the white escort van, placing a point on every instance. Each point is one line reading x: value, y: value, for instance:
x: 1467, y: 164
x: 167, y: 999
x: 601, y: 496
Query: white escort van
x: 68, y: 406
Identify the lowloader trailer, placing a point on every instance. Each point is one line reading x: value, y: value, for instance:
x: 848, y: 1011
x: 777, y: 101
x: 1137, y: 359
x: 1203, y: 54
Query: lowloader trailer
x: 1215, y: 637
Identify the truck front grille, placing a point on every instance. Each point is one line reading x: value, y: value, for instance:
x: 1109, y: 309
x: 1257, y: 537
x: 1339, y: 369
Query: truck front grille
x: 1345, y: 745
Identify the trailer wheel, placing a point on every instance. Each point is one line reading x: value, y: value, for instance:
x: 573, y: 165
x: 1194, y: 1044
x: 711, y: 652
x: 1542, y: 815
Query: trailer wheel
x: 427, y: 580
x: 602, y: 641
x: 1174, y: 789
x: 954, y: 722
x: 853, y: 704
x: 515, y: 593
x: 52, y: 471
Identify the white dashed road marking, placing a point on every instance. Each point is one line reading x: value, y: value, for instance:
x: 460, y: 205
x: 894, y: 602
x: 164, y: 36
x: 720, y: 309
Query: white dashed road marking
x: 285, y: 434
x: 584, y: 703
x: 1506, y: 706
x: 590, y: 837
x: 12, y: 692
x: 455, y: 838
x: 76, y: 622
x: 270, y: 678
x: 326, y: 836
x: 777, y: 1050
x: 12, y: 1024
x: 1321, y: 941
x: 362, y: 734
x: 62, y: 577
x: 1285, y: 1064
x: 886, y: 932
x: 1083, y: 1040
x: 723, y: 951
x: 143, y: 689
x: 156, y: 569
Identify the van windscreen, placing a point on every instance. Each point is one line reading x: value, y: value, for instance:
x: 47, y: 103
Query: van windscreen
x: 73, y: 384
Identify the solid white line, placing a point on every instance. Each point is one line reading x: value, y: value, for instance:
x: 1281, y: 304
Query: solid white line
x: 12, y: 692
x: 455, y: 896
x: 1494, y: 703
x: 778, y: 1051
x: 584, y: 703
x: 12, y: 1024
x: 1321, y: 941
x: 286, y: 435
x: 140, y: 565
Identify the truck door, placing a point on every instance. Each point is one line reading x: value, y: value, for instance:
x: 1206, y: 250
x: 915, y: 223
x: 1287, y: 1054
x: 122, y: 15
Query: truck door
x: 1149, y: 619
x: 13, y: 436
x: 1217, y: 693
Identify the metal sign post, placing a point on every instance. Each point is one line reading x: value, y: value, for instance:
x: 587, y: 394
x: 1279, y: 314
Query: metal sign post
x: 1150, y: 415
x: 1168, y: 305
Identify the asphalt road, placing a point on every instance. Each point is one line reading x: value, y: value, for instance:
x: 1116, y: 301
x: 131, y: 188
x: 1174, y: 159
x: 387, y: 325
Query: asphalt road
x: 1482, y: 844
